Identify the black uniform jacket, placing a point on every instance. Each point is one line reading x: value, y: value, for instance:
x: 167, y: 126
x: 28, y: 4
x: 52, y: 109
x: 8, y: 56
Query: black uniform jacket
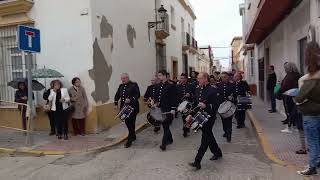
x: 128, y: 91
x: 208, y: 95
x: 225, y: 90
x: 166, y: 96
x: 183, y: 89
x: 150, y: 93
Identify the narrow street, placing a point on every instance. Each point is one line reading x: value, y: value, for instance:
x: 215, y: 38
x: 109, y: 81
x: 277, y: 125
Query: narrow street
x: 243, y: 160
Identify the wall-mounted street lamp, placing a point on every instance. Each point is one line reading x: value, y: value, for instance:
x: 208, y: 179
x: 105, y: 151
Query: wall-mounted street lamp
x: 162, y: 12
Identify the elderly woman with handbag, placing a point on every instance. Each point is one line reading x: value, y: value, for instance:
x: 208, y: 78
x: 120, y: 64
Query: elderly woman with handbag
x: 79, y: 102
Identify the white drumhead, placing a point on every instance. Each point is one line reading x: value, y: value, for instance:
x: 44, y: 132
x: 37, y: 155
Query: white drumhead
x: 183, y: 106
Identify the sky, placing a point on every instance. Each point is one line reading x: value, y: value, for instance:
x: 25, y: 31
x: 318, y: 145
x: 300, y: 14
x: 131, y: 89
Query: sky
x: 218, y: 21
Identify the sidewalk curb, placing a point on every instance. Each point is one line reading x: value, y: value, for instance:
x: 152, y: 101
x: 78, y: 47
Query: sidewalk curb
x: 48, y: 152
x: 266, y: 146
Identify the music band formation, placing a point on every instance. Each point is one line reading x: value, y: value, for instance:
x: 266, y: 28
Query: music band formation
x: 198, y: 99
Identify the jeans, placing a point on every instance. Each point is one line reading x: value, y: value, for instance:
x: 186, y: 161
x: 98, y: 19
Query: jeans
x: 273, y: 100
x: 312, y: 132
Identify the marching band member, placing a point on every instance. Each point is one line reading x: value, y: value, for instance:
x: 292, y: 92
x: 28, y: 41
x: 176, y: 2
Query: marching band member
x: 128, y: 93
x: 241, y: 89
x: 226, y: 93
x: 150, y: 95
x: 167, y: 102
x: 184, y: 93
x: 206, y: 98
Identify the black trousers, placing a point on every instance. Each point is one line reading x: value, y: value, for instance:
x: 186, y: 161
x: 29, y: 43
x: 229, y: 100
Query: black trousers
x: 52, y: 122
x: 240, y: 117
x: 185, y: 129
x: 131, y: 125
x: 167, y: 135
x: 227, y: 125
x: 208, y: 140
x: 289, y: 107
x: 61, y: 119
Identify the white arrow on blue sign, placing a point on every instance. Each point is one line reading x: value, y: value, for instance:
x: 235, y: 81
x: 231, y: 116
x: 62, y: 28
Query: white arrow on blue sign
x: 29, y: 39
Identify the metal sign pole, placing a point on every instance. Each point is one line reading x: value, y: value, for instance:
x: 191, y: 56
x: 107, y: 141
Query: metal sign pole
x: 30, y: 98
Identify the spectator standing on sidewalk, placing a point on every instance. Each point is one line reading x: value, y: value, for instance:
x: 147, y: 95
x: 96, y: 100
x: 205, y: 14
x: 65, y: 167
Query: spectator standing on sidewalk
x: 21, y: 96
x: 48, y: 110
x: 271, y: 83
x: 79, y: 102
x: 308, y: 101
x: 59, y: 99
x: 290, y: 81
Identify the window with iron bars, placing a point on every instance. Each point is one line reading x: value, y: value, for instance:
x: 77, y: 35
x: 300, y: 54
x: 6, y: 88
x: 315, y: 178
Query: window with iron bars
x: 12, y: 63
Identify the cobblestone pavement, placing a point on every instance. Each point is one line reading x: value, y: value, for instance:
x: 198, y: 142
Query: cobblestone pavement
x: 243, y: 160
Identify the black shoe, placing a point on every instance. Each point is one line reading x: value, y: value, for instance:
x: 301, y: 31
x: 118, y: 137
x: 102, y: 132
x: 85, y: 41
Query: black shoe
x: 272, y: 111
x: 195, y: 165
x: 52, y: 133
x: 214, y: 157
x: 301, y: 151
x: 308, y: 172
x: 135, y: 138
x: 170, y: 142
x: 163, y: 147
x: 228, y: 138
x: 59, y: 136
x: 224, y: 135
x: 128, y: 144
x: 65, y: 137
x: 240, y: 126
x: 185, y: 134
x: 156, y: 129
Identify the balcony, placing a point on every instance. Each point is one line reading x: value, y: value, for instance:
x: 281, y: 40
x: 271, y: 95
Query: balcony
x: 12, y: 7
x: 186, y: 39
x: 162, y: 30
x: 265, y: 22
x: 194, y: 46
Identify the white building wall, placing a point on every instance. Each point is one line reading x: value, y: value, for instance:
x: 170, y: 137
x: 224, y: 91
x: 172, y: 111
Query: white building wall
x: 66, y: 41
x: 175, y: 40
x: 138, y: 60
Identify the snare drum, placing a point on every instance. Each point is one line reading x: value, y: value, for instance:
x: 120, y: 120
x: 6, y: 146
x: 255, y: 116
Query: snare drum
x: 184, y: 107
x: 125, y: 112
x: 227, y: 109
x: 199, y: 120
x: 244, y: 103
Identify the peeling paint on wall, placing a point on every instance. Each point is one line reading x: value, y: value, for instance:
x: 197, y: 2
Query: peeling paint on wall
x: 131, y: 35
x: 100, y: 74
x: 106, y: 30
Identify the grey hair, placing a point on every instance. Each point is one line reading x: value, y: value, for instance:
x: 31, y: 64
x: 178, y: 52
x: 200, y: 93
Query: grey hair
x: 125, y: 74
x: 290, y: 67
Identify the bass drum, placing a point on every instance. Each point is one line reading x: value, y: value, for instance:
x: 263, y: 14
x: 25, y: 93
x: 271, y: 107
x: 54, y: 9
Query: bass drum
x: 227, y: 109
x: 155, y: 117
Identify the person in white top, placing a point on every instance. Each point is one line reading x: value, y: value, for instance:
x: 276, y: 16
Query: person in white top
x: 59, y: 99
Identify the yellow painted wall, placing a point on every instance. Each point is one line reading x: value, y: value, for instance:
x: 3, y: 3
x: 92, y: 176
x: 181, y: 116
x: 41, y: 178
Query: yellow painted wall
x: 99, y: 119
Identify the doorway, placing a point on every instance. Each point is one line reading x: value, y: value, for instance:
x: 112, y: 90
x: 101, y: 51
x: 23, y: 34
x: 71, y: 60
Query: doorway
x: 302, y: 47
x: 174, y: 69
x: 185, y: 63
x: 261, y: 78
